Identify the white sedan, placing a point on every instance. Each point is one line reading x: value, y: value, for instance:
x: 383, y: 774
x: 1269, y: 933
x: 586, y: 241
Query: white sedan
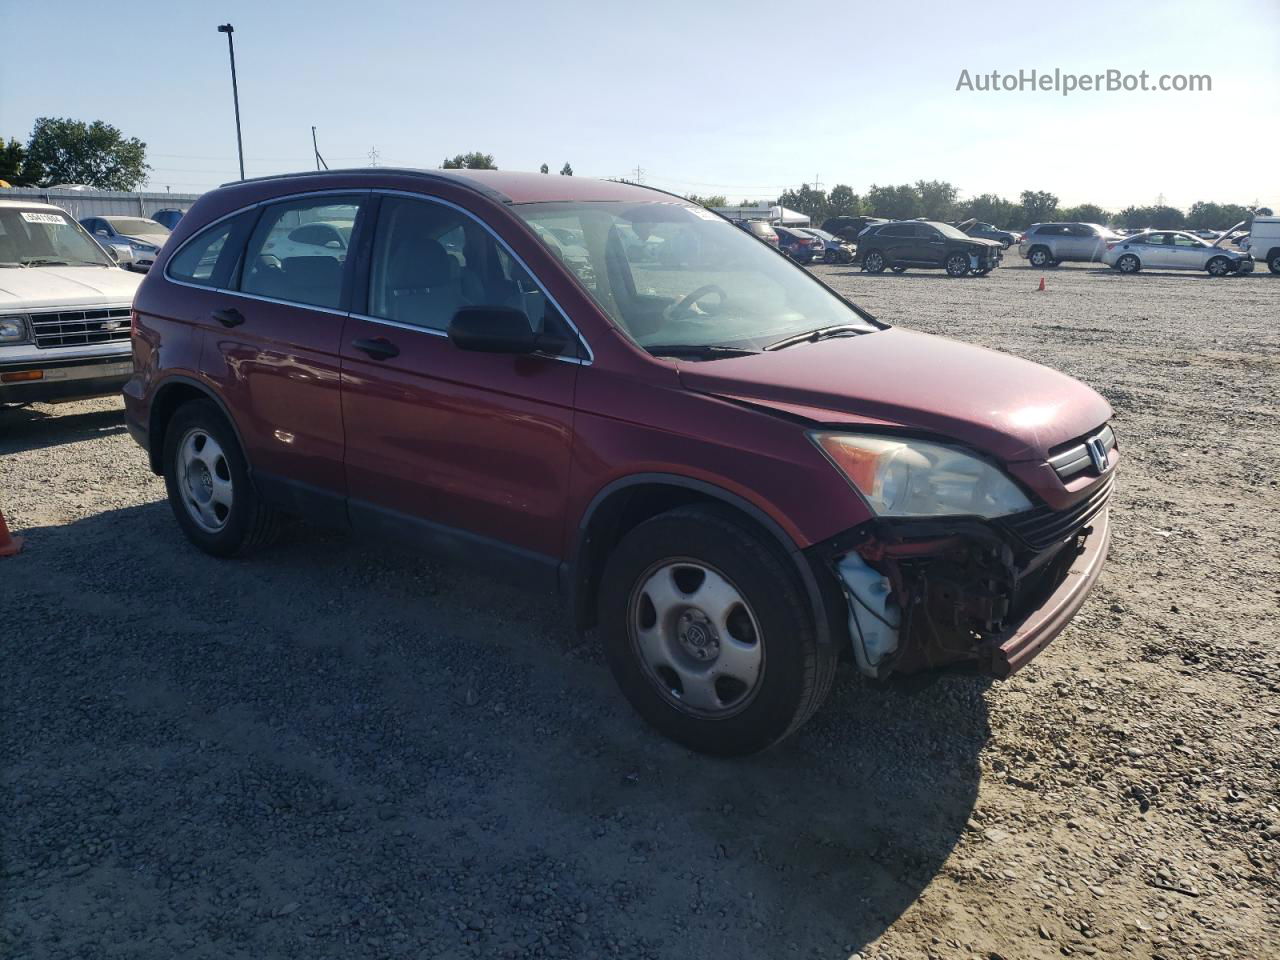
x: 1174, y: 250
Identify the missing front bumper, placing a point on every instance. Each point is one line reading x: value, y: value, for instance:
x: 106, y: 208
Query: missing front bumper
x: 962, y: 596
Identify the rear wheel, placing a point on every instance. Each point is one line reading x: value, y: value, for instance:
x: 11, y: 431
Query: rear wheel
x: 1039, y: 257
x: 208, y: 483
x: 1274, y: 263
x: 1128, y: 264
x: 873, y: 262
x: 1218, y: 267
x: 957, y: 265
x: 707, y: 633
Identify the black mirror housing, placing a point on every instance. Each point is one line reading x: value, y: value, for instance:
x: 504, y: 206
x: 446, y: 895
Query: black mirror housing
x: 493, y: 330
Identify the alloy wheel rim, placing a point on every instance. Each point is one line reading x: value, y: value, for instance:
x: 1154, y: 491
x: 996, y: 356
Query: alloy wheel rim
x: 956, y: 264
x: 696, y: 638
x: 204, y: 480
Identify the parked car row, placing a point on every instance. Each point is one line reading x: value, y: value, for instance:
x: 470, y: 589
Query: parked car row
x: 1050, y: 244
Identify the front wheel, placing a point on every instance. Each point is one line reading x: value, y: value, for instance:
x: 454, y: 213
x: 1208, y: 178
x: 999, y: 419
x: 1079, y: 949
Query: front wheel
x: 1218, y: 267
x: 873, y: 262
x: 957, y: 265
x: 707, y: 632
x: 208, y: 484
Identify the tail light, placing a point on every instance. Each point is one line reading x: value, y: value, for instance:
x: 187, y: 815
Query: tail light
x: 1111, y: 244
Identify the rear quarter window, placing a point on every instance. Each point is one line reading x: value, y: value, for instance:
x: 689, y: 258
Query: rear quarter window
x: 210, y: 257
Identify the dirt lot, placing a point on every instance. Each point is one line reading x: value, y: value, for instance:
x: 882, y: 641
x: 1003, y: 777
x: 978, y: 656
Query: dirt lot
x: 331, y: 750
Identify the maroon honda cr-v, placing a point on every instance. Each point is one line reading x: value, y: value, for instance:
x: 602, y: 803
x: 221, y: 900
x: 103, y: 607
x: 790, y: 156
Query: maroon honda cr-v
x: 734, y: 473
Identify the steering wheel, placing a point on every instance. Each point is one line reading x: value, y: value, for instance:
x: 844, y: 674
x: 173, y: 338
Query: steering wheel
x: 684, y: 308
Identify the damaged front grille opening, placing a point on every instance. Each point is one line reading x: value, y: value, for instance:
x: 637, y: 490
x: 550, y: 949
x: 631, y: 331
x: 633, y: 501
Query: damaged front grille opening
x: 928, y: 594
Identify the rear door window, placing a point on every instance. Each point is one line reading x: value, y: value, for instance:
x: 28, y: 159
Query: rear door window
x: 285, y: 261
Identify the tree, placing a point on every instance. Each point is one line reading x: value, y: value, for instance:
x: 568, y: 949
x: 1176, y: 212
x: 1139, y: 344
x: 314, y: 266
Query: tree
x: 1159, y: 216
x: 566, y: 170
x: 1038, y: 206
x: 807, y: 200
x: 1086, y: 213
x: 991, y: 208
x: 895, y: 203
x: 1215, y: 216
x: 937, y: 199
x: 544, y: 168
x: 97, y: 154
x: 717, y: 200
x: 475, y: 160
x: 12, y: 160
x: 843, y: 202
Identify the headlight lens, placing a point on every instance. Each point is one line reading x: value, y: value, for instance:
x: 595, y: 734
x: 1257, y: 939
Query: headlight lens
x: 12, y: 330
x: 911, y: 478
x: 143, y: 247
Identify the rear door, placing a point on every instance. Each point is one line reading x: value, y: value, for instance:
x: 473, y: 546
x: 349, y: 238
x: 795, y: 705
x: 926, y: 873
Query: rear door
x: 274, y: 349
x: 462, y: 450
x: 1155, y: 250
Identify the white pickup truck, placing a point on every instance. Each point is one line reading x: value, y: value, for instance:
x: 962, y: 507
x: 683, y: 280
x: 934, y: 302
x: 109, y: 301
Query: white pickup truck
x: 64, y: 308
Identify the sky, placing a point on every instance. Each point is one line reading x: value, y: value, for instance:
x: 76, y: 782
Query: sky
x: 703, y: 96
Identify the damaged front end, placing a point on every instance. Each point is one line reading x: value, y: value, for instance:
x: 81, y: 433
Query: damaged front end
x: 924, y: 593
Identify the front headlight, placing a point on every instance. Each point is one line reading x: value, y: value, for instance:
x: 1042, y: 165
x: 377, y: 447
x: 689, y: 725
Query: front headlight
x: 912, y: 478
x: 143, y: 247
x: 12, y: 330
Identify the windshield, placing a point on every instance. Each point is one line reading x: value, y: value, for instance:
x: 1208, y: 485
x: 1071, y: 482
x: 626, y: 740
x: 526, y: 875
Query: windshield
x: 34, y: 238
x: 947, y: 230
x: 133, y: 226
x: 669, y: 274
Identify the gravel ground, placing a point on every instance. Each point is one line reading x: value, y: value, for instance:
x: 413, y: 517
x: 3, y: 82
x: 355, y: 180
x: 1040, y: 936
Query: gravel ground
x: 332, y: 750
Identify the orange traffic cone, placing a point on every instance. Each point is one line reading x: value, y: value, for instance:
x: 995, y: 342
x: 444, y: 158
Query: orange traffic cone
x: 9, y: 545
x: 1041, y: 287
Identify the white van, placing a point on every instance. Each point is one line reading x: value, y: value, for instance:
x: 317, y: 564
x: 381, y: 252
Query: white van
x: 1264, y: 242
x: 64, y: 308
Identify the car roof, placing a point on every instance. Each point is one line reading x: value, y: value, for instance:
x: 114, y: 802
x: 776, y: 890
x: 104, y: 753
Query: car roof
x: 506, y: 185
x: 7, y: 202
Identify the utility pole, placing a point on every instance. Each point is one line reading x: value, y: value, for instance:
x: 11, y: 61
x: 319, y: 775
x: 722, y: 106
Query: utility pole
x: 639, y: 174
x: 319, y: 159
x: 228, y: 29
x: 373, y: 156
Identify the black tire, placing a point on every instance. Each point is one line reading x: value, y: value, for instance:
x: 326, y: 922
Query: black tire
x: 898, y: 269
x: 829, y: 256
x: 873, y: 261
x: 796, y: 671
x: 1274, y: 263
x: 957, y: 264
x: 1039, y: 257
x: 1128, y: 263
x: 248, y: 523
x: 1218, y: 267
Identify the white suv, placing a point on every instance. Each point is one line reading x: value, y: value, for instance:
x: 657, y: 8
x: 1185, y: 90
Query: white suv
x: 64, y: 308
x: 1264, y: 242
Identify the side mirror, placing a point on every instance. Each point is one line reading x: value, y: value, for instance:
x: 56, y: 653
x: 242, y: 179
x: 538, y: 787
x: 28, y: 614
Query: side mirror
x: 102, y: 233
x: 499, y: 330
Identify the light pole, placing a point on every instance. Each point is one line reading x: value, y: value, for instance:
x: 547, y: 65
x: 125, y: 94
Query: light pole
x: 228, y: 29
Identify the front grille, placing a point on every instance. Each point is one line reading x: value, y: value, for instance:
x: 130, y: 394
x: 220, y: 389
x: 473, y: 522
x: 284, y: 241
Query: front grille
x: 76, y: 328
x: 1043, y: 527
x: 1074, y: 459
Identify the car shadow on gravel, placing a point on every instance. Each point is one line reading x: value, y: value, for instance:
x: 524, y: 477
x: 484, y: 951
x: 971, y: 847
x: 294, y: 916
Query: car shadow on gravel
x: 331, y: 745
x: 33, y: 427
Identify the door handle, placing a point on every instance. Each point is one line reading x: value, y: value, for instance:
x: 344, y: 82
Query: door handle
x: 230, y: 317
x: 378, y: 348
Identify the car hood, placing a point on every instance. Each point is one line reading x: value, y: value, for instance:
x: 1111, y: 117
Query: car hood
x: 156, y: 239
x: 983, y: 241
x: 1010, y: 408
x: 38, y: 287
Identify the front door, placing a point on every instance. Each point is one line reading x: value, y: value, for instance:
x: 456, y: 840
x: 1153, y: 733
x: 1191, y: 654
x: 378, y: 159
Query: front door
x: 460, y: 450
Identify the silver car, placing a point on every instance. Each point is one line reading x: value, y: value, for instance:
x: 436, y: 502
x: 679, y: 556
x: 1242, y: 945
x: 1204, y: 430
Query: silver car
x: 1049, y: 244
x: 143, y: 237
x: 1174, y: 250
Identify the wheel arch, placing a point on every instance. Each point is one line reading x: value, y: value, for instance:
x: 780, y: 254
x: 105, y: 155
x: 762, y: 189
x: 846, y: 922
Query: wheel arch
x: 173, y: 393
x: 625, y: 503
